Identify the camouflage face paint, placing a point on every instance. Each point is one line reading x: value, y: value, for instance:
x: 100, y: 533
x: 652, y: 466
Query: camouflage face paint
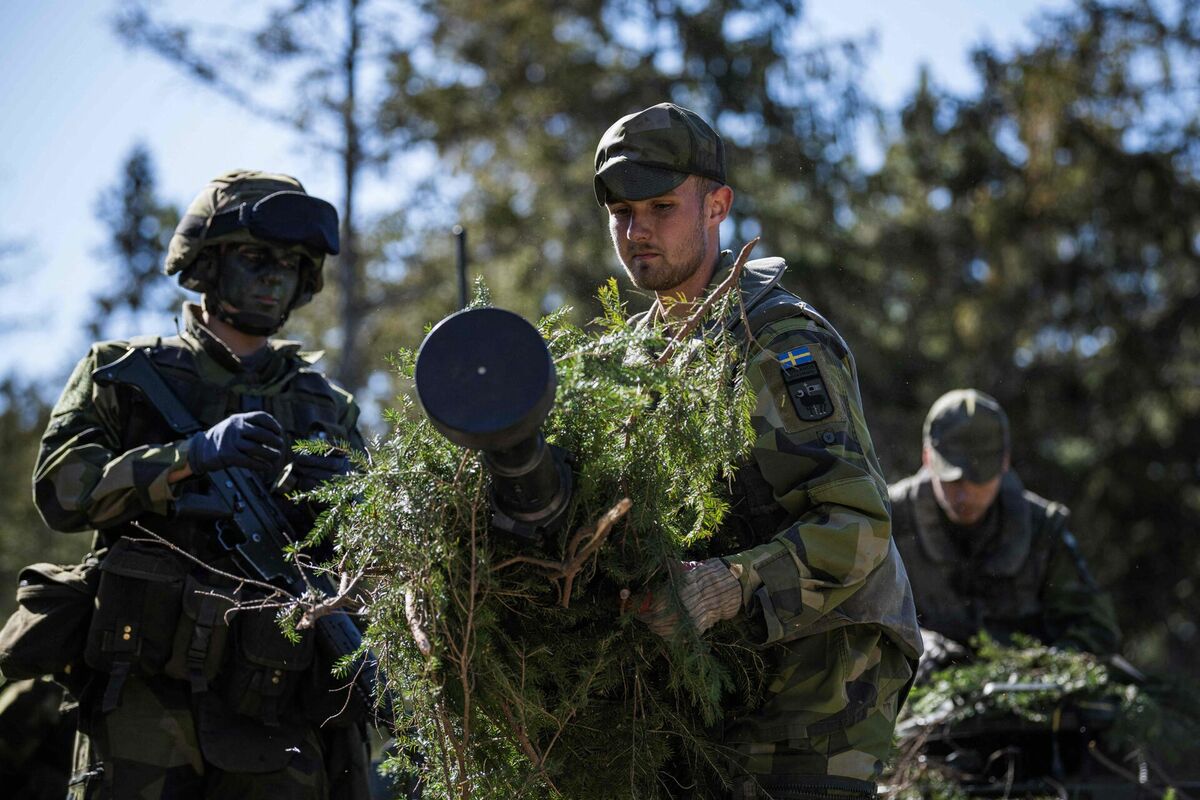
x: 257, y: 283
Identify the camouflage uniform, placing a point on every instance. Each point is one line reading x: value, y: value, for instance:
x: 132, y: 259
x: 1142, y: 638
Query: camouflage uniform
x: 1020, y: 572
x: 808, y: 538
x: 824, y: 590
x: 35, y: 740
x: 189, y: 701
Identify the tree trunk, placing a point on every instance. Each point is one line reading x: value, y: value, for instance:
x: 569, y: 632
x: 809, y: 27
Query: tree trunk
x: 349, y: 370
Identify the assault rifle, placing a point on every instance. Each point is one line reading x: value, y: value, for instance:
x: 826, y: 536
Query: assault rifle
x: 486, y: 381
x: 249, y: 523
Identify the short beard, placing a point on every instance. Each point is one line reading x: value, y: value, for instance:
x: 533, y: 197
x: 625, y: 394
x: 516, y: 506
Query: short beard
x: 675, y: 273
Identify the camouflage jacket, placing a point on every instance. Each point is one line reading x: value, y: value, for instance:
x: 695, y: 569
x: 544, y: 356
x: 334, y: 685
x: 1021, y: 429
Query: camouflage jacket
x: 106, y: 454
x: 1025, y: 575
x: 808, y: 533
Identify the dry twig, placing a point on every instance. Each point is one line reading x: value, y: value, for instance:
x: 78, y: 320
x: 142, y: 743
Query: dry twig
x: 700, y: 313
x: 583, y: 545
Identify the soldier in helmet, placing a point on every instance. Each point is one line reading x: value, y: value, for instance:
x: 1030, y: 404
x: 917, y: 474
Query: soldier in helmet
x: 805, y: 564
x: 983, y: 552
x: 191, y: 692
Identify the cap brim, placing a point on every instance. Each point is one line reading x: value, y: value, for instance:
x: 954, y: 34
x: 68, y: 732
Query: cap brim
x: 975, y: 470
x: 628, y: 180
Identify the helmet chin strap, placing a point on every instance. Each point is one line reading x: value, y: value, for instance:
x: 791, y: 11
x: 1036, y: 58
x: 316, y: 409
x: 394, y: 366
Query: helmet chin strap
x: 253, y: 324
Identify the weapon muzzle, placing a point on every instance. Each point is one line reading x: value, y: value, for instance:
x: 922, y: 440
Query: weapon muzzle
x: 486, y: 381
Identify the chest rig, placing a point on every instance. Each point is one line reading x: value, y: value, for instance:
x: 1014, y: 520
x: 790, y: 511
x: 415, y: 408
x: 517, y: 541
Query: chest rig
x: 215, y: 386
x: 163, y: 615
x: 997, y: 585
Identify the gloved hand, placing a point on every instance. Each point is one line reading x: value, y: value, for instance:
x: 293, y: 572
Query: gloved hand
x: 708, y: 592
x: 253, y: 439
x: 309, y: 470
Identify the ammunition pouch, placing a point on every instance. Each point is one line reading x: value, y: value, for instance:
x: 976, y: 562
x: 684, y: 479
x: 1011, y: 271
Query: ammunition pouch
x: 138, y: 605
x: 266, y: 668
x: 47, y: 632
x: 202, y: 632
x: 154, y: 618
x: 329, y: 701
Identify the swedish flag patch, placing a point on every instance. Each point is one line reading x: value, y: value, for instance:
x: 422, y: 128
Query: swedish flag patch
x: 804, y: 384
x: 795, y: 357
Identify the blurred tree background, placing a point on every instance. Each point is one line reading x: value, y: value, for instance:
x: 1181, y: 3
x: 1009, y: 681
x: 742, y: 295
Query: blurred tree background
x: 1038, y: 238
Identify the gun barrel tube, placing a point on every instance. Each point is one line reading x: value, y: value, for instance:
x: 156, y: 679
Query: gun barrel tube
x: 486, y: 381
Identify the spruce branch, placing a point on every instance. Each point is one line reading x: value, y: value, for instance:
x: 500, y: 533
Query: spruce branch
x: 511, y: 682
x: 346, y: 596
x: 239, y: 580
x: 416, y: 624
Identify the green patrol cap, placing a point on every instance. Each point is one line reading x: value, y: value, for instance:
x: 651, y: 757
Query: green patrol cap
x: 652, y: 151
x: 966, y: 432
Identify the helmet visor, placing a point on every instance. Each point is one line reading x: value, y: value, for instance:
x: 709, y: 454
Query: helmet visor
x: 288, y: 217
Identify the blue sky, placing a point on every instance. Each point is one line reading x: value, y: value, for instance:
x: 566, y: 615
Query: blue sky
x: 75, y: 100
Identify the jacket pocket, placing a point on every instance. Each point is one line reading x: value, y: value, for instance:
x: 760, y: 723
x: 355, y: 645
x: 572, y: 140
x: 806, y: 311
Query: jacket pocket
x: 137, y: 608
x: 266, y: 667
x: 47, y: 632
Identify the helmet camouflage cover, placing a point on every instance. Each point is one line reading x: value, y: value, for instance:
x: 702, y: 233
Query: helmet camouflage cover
x: 184, y: 253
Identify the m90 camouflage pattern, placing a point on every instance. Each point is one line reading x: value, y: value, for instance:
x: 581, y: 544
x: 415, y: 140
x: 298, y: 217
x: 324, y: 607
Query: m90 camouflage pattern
x: 250, y: 525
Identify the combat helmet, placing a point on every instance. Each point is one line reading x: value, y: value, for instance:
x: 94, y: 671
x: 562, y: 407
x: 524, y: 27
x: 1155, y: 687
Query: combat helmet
x: 245, y: 206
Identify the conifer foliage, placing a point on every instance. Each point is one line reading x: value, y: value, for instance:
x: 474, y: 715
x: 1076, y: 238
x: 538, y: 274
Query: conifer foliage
x: 1042, y: 720
x: 522, y: 668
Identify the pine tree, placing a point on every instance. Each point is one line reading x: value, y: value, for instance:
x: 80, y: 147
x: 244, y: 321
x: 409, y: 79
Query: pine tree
x: 135, y: 295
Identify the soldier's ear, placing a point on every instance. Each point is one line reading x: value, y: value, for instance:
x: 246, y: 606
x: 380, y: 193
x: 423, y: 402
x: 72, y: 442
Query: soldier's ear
x: 718, y: 203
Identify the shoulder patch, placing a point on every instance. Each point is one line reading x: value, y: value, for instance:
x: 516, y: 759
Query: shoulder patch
x: 804, y: 384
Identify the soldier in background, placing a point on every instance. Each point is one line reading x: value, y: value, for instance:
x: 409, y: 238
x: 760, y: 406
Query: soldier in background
x: 984, y: 553
x: 187, y: 700
x: 805, y: 564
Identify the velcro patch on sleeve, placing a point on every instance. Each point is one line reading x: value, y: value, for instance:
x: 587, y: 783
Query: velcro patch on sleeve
x: 804, y: 384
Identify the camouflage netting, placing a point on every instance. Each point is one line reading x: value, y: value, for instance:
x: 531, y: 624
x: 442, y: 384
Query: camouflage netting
x: 1030, y: 720
x: 522, y: 683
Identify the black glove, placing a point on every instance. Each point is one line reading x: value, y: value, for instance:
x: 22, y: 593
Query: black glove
x: 253, y: 440
x: 310, y: 471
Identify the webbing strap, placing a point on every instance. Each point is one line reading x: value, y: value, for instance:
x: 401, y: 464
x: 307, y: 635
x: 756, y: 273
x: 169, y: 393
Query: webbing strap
x: 116, y: 682
x: 197, y: 652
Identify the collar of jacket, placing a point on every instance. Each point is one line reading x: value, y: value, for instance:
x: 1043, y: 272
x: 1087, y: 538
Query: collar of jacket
x: 1011, y: 548
x: 758, y: 278
x: 271, y: 369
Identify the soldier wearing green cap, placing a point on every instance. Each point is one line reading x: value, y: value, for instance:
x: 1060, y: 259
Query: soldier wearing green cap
x: 984, y: 553
x: 190, y: 690
x: 805, y: 564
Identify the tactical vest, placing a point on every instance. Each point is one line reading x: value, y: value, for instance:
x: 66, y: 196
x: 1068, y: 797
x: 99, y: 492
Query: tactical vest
x: 299, y: 397
x: 160, y: 613
x: 997, y: 590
